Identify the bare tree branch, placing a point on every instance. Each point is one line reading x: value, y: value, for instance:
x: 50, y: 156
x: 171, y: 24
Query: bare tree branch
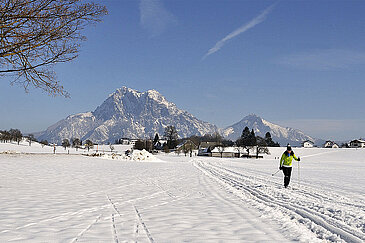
x: 37, y: 34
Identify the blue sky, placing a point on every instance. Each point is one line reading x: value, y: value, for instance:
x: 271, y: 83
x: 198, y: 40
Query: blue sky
x: 295, y: 63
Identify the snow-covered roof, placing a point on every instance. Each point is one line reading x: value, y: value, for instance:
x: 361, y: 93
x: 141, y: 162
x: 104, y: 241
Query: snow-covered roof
x: 358, y: 141
x: 226, y: 150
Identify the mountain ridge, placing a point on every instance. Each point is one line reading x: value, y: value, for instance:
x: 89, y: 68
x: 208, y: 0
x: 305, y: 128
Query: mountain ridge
x: 130, y: 113
x: 283, y: 135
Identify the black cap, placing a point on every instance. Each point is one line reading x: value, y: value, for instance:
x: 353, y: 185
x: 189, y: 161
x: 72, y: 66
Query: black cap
x: 288, y: 147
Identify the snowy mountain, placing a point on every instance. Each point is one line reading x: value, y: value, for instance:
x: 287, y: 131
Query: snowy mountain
x: 127, y: 113
x: 133, y: 114
x: 261, y: 127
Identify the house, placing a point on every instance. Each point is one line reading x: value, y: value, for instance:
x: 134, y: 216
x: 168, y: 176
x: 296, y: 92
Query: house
x: 307, y: 144
x: 127, y: 141
x: 133, y: 142
x: 225, y: 152
x: 232, y: 152
x: 205, y: 148
x: 335, y: 145
x: 330, y: 144
x: 160, y: 144
x: 205, y: 152
x: 187, y: 145
x: 357, y: 143
x: 124, y: 141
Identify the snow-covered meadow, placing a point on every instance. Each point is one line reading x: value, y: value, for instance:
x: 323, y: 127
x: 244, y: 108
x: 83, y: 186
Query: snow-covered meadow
x: 46, y: 197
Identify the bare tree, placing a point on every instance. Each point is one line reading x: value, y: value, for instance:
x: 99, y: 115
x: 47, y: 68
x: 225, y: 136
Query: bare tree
x: 188, y: 147
x: 66, y: 143
x: 240, y: 150
x: 31, y: 139
x: 111, y: 146
x: 172, y: 136
x: 89, y: 144
x: 221, y: 149
x: 44, y: 142
x: 37, y: 34
x: 261, y: 147
x: 76, y: 143
x: 5, y: 136
x: 16, y: 135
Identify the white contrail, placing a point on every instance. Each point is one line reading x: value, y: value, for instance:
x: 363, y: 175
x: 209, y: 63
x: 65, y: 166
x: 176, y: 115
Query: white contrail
x: 255, y: 21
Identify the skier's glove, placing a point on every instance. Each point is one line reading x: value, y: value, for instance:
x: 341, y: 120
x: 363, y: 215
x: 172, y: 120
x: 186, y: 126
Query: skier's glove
x: 280, y: 168
x: 298, y: 158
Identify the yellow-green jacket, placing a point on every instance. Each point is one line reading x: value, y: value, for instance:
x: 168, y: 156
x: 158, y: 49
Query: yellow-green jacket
x: 286, y: 159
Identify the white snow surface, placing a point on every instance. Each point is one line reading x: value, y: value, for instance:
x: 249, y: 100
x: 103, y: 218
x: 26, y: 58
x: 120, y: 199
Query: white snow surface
x: 47, y: 197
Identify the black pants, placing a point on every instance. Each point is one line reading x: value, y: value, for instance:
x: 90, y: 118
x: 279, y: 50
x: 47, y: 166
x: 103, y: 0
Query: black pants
x: 287, y: 174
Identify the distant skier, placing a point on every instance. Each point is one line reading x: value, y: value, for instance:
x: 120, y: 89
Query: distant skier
x: 286, y: 164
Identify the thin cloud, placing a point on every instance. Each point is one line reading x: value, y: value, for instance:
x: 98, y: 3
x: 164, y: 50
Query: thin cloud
x: 154, y: 17
x: 252, y: 23
x: 323, y: 60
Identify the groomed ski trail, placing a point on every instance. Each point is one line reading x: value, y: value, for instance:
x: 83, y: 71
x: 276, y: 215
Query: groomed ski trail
x: 309, y: 206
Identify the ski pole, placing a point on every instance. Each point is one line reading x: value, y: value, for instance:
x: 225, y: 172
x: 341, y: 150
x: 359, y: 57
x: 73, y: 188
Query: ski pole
x: 299, y: 174
x: 275, y: 173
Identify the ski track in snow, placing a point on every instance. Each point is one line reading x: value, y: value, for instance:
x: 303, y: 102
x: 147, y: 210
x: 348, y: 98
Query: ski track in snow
x: 115, y: 234
x: 86, y: 229
x: 321, y: 207
x: 144, y: 225
x: 194, y: 201
x: 221, y: 196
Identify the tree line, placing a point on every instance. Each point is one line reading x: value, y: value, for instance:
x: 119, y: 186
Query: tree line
x: 15, y: 135
x: 77, y: 143
x: 171, y: 136
x: 247, y: 140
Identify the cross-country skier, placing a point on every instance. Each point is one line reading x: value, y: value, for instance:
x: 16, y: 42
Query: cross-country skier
x: 286, y: 164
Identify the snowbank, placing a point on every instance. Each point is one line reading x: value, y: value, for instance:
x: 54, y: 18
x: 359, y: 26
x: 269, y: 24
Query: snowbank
x: 9, y: 152
x: 137, y: 155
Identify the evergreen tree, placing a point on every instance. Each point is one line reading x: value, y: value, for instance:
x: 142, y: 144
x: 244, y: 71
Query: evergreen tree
x: 269, y: 141
x: 156, y: 139
x: 245, y: 133
x: 244, y: 140
x: 252, y: 139
x: 268, y: 137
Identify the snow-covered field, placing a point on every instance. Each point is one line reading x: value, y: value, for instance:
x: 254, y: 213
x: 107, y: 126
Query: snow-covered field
x: 46, y: 197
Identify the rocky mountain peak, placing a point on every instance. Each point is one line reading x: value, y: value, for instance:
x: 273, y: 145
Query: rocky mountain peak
x: 129, y: 113
x: 261, y: 127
